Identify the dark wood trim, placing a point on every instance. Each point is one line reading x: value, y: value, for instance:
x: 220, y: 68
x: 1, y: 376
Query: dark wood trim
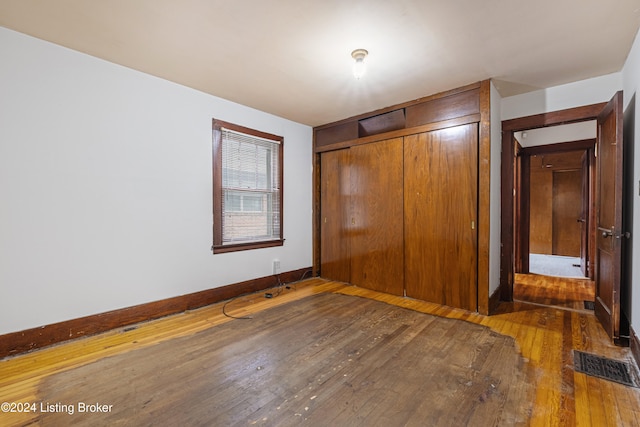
x: 553, y: 118
x: 583, y: 144
x: 517, y: 183
x: 593, y: 226
x: 445, y: 94
x: 218, y: 124
x: 474, y: 118
x: 509, y: 127
x: 15, y: 343
x: 247, y: 246
x: 635, y: 346
x: 216, y: 188
x: 484, y: 197
x: 507, y: 223
x: 494, y: 301
x: 524, y: 213
x: 317, y: 173
x: 218, y: 246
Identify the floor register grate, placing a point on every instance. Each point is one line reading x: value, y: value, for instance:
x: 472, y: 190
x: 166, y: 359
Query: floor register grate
x: 602, y: 367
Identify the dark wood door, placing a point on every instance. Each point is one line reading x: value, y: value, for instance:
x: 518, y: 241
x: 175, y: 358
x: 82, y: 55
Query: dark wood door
x: 377, y: 260
x: 609, y: 216
x: 441, y: 190
x: 583, y: 220
x: 593, y: 227
x: 335, y: 191
x: 566, y: 205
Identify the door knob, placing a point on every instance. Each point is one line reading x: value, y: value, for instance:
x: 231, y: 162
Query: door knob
x: 607, y: 234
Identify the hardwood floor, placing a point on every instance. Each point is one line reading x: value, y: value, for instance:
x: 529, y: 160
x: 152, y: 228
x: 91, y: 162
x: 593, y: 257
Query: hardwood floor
x: 545, y: 337
x: 553, y: 291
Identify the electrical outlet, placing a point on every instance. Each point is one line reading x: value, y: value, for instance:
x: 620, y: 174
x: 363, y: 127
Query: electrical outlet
x: 276, y: 266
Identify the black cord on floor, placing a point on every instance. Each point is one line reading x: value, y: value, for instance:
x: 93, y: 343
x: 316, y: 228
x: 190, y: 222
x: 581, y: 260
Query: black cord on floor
x: 288, y: 285
x: 267, y: 295
x: 234, y: 317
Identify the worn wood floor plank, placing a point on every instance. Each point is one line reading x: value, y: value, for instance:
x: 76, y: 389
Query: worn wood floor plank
x: 545, y: 336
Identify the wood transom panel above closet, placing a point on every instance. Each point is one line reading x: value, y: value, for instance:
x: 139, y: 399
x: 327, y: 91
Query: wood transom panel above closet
x: 398, y: 211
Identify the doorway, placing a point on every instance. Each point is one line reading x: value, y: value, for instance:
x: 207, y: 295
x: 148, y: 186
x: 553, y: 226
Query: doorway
x: 559, y: 211
x: 611, y: 238
x: 516, y: 159
x: 553, y: 214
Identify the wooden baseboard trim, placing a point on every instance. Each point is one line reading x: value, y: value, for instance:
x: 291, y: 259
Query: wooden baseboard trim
x: 494, y: 301
x: 635, y: 346
x: 15, y: 343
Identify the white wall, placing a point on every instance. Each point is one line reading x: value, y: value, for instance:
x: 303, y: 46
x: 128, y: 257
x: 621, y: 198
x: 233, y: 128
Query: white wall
x: 631, y: 87
x: 495, y: 199
x: 583, y: 92
x: 105, y: 187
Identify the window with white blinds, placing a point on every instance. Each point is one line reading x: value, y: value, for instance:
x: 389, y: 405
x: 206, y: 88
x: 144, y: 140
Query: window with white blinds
x: 247, y: 188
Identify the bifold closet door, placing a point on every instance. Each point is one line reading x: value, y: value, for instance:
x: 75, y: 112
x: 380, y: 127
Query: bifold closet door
x: 376, y: 216
x: 440, y: 211
x: 335, y: 187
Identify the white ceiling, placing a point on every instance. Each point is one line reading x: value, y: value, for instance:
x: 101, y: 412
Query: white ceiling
x: 292, y: 57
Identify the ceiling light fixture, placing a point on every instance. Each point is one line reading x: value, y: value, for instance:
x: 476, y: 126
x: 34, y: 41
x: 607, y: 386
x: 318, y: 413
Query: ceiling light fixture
x: 359, y: 66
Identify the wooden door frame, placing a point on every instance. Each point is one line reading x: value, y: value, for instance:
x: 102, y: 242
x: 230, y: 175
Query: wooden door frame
x: 509, y: 127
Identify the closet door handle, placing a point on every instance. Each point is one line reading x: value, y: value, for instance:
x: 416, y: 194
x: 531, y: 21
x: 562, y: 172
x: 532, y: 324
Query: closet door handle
x: 606, y: 233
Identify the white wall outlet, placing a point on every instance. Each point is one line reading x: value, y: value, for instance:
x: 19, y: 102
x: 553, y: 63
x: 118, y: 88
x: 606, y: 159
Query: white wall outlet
x: 276, y: 266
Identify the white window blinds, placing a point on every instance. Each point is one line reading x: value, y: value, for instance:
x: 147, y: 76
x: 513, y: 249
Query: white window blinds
x: 250, y: 188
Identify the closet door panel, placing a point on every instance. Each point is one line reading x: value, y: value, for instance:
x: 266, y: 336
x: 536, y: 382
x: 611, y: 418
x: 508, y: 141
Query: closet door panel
x: 335, y: 251
x: 440, y: 208
x: 377, y: 260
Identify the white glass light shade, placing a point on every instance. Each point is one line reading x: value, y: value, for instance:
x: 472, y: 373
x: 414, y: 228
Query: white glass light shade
x: 359, y: 66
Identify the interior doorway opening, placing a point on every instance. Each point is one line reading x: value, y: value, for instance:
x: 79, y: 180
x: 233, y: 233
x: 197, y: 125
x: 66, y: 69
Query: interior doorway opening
x: 611, y: 237
x: 554, y: 221
x: 553, y: 214
x: 559, y: 213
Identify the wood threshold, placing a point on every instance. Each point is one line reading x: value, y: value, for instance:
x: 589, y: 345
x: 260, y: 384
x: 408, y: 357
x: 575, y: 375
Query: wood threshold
x: 19, y: 342
x: 473, y: 118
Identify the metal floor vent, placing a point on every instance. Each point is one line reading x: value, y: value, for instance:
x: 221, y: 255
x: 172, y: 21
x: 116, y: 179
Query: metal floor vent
x: 601, y: 367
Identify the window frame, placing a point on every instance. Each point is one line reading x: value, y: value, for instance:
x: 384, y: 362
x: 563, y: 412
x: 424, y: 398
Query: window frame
x: 218, y: 246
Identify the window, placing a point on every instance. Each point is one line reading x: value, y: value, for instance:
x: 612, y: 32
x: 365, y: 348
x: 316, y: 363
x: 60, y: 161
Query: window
x: 247, y: 188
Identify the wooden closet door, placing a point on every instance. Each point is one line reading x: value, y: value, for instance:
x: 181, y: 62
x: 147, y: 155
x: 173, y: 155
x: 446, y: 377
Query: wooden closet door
x: 335, y: 263
x: 440, y: 207
x: 376, y: 225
